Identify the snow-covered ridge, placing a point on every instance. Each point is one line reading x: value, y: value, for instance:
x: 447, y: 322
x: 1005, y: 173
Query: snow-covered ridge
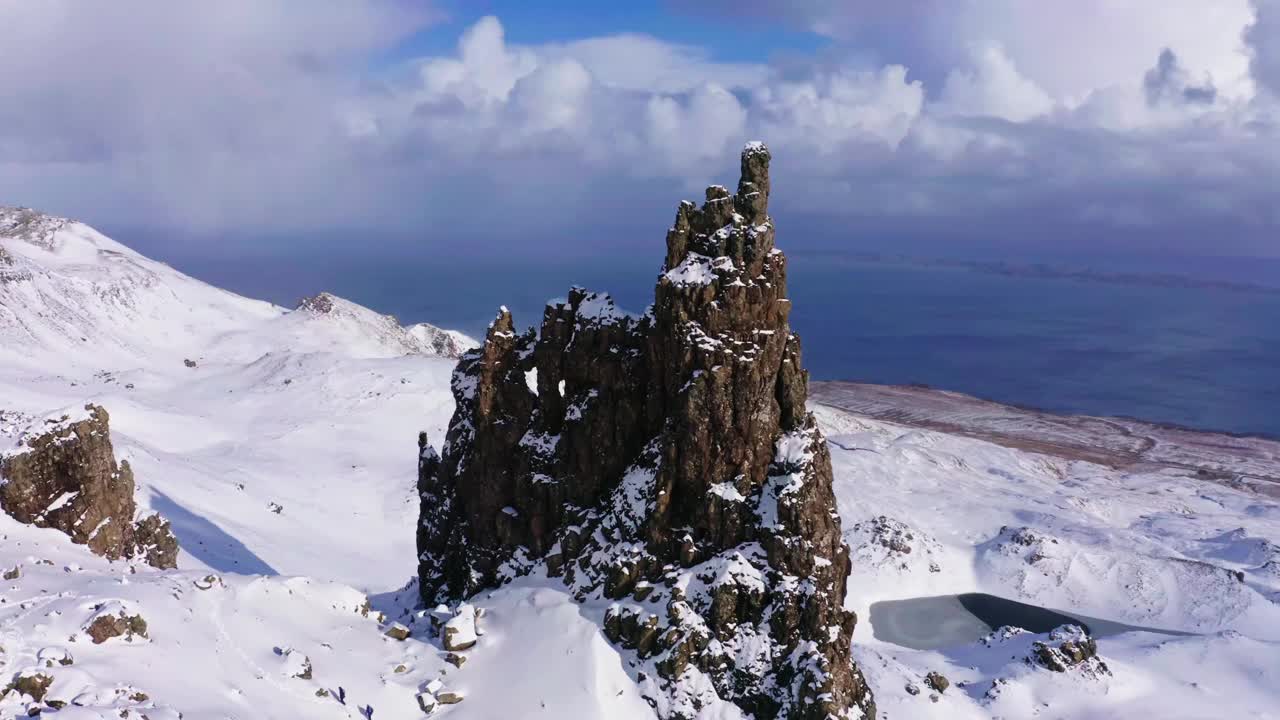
x: 327, y: 323
x: 421, y: 338
x: 67, y: 289
x: 72, y: 291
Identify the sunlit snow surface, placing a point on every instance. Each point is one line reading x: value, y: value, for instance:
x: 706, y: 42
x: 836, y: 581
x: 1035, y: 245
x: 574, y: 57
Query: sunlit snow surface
x: 318, y: 416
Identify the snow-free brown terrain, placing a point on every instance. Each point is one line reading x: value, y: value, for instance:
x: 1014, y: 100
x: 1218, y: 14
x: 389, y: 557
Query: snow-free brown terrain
x: 1121, y: 443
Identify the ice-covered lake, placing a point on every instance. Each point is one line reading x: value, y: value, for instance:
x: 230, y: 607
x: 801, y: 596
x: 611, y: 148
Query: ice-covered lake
x: 931, y: 623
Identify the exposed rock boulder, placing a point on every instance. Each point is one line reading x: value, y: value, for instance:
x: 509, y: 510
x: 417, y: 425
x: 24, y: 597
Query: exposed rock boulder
x: 449, y: 697
x: 459, y: 631
x: 1067, y: 647
x: 108, y: 625
x: 397, y: 631
x: 665, y: 462
x: 55, y: 655
x: 208, y: 582
x: 154, y: 542
x: 32, y: 684
x: 321, y: 304
x: 427, y: 702
x: 937, y: 681
x: 884, y: 543
x: 63, y: 475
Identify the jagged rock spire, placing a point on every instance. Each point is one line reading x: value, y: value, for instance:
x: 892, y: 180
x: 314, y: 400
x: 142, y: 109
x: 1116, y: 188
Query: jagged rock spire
x: 666, y: 463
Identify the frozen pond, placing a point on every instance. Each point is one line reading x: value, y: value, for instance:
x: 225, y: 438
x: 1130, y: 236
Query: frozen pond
x: 930, y: 623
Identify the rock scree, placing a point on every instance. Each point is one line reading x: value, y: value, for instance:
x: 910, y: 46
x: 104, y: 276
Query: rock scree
x: 63, y: 475
x: 664, y: 463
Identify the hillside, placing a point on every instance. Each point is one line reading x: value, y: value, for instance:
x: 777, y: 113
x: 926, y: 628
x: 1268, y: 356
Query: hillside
x: 284, y: 454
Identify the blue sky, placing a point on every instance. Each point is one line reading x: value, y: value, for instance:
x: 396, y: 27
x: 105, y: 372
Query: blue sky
x: 1057, y: 126
x: 534, y: 23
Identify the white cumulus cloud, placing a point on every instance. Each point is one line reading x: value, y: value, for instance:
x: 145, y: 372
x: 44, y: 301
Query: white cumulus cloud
x: 281, y: 115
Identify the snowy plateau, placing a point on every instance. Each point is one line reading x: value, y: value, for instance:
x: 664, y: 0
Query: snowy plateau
x: 281, y: 445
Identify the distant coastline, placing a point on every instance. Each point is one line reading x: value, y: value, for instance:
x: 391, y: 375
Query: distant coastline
x: 920, y: 388
x: 1236, y: 459
x: 1050, y: 271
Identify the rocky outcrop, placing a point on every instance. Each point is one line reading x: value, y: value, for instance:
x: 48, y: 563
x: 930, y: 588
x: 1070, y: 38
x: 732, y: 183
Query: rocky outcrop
x: 154, y: 542
x: 418, y: 339
x: 937, y: 681
x: 120, y: 625
x: 664, y: 462
x: 63, y: 475
x: 33, y: 684
x: 30, y: 226
x: 1067, y: 647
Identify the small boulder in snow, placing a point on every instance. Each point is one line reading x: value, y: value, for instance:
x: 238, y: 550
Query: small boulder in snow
x: 398, y: 632
x: 208, y: 582
x: 460, y: 631
x: 51, y: 656
x: 439, y: 617
x: 449, y: 697
x: 31, y: 684
x: 296, y: 665
x: 937, y: 681
x: 107, y: 625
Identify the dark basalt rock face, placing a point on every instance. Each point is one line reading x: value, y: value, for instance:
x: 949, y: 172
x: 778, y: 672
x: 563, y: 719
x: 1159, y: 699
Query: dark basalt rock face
x: 64, y: 476
x: 667, y: 463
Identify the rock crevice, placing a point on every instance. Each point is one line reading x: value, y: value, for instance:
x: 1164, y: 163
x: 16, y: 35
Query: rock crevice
x: 664, y: 462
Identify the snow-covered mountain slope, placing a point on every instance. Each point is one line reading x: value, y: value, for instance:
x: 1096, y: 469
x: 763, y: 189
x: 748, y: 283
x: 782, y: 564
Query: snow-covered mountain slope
x: 932, y: 514
x: 1152, y: 549
x: 67, y: 290
x: 286, y: 458
x: 219, y: 401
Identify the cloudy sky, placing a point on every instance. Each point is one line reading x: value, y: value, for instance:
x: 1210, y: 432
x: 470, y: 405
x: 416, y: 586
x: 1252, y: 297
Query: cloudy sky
x: 1127, y: 125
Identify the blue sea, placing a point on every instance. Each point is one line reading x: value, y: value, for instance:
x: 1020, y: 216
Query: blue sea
x: 1202, y: 357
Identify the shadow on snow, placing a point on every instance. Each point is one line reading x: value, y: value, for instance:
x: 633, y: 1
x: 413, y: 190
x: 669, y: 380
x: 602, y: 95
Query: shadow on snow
x: 207, y: 542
